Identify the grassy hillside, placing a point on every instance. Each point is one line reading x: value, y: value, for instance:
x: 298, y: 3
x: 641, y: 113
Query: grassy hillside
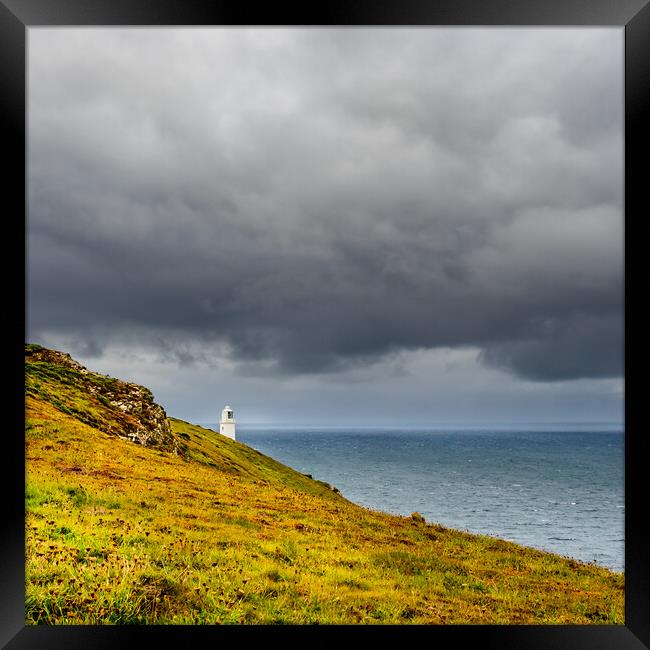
x: 118, y: 532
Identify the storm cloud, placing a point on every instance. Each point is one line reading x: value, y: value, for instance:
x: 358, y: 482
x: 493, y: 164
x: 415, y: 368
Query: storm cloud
x: 304, y: 201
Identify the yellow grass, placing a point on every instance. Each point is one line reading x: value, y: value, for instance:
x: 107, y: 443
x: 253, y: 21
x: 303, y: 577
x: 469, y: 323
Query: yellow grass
x: 117, y: 533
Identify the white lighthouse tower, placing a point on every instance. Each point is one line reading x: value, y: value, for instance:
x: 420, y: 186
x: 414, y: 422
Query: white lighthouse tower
x: 227, y: 423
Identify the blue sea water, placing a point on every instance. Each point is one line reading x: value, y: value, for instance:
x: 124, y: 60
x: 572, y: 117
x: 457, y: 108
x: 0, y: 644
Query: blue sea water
x: 558, y: 490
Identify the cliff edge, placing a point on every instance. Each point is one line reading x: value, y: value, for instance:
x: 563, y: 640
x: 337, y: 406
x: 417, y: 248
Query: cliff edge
x: 111, y: 405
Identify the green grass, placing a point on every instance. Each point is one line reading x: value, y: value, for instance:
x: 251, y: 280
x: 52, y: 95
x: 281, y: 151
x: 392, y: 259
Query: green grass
x: 117, y: 533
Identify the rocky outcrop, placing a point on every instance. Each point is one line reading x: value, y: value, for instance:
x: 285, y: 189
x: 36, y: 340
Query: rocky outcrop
x: 35, y: 352
x: 111, y: 405
x: 142, y: 420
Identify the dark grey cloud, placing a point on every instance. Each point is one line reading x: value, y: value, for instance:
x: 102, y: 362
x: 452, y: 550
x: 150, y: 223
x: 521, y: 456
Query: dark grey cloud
x: 305, y: 201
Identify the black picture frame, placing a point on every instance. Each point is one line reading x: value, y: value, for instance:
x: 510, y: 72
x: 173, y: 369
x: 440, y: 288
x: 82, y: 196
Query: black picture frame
x: 633, y: 16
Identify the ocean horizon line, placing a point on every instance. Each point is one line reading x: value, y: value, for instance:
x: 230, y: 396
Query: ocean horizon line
x: 450, y: 426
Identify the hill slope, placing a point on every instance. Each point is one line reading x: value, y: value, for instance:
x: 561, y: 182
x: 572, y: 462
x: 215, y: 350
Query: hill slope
x: 192, y: 527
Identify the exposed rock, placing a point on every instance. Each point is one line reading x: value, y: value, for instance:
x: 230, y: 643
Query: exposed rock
x: 35, y: 352
x: 126, y: 410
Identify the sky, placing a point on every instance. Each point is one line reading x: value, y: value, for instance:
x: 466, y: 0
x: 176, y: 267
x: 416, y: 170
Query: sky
x: 397, y: 227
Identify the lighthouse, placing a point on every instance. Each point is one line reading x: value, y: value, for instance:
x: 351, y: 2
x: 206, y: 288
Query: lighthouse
x: 227, y: 423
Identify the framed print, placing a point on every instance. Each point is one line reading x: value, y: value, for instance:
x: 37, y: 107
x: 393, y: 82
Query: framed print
x: 347, y: 293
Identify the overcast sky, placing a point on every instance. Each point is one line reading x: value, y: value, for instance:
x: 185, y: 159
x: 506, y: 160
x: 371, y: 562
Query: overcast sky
x: 330, y: 226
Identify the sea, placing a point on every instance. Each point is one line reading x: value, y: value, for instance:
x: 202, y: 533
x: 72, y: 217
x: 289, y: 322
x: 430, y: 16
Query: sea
x: 555, y: 488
